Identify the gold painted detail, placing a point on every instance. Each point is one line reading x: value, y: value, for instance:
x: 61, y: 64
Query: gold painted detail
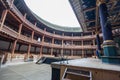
x: 106, y: 41
x: 98, y: 2
x: 108, y: 46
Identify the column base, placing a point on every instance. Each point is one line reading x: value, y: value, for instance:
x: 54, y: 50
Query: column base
x: 111, y: 59
x: 110, y: 51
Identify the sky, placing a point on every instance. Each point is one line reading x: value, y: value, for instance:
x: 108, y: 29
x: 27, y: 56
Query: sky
x: 57, y: 12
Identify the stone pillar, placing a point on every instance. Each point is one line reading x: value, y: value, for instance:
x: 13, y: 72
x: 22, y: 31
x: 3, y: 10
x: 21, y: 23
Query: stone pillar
x: 13, y: 49
x: 4, y: 14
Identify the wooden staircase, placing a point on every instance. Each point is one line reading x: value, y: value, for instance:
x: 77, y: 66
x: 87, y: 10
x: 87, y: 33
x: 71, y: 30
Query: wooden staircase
x: 74, y: 74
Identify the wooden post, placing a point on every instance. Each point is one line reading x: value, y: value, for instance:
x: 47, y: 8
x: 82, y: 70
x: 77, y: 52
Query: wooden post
x: 32, y: 35
x: 83, y: 55
x: 71, y: 52
x: 13, y: 49
x: 51, y: 51
x: 93, y: 49
x: 20, y: 29
x: 28, y: 52
x: 4, y: 14
x: 52, y: 46
x: 19, y: 47
x: 9, y: 46
x: 43, y: 38
x: 72, y: 49
x: 35, y: 49
x: 41, y: 50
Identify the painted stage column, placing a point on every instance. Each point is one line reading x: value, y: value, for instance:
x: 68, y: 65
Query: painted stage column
x: 108, y: 44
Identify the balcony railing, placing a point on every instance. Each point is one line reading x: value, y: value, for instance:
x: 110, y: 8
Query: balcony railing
x: 19, y: 14
x: 9, y: 31
x: 14, y: 34
x: 25, y: 38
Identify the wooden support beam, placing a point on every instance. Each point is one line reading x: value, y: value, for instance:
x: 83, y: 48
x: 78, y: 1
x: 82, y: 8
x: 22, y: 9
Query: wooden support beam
x: 3, y: 17
x: 20, y: 29
x: 52, y: 45
x: 41, y: 48
x: 32, y: 35
x: 72, y: 45
x: 43, y: 37
x: 71, y: 52
x: 51, y: 51
x: 35, y: 49
x: 13, y: 49
x: 28, y: 51
x: 19, y: 47
x: 9, y: 46
x: 89, y: 9
x: 83, y: 55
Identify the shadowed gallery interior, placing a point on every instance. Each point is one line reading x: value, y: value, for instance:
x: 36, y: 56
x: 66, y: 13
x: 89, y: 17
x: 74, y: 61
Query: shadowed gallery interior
x: 32, y: 48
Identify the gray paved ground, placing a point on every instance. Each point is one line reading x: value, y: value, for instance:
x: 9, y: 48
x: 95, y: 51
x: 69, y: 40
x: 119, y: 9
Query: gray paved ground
x: 30, y: 71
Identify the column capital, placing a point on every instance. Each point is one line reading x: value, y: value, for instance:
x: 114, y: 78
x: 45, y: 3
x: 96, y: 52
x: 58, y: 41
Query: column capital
x: 98, y: 2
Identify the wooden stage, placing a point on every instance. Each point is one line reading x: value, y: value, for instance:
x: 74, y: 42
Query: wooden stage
x: 85, y: 69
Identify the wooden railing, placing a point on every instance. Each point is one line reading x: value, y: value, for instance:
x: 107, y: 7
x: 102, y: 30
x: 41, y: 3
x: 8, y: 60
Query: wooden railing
x: 25, y: 38
x: 19, y: 14
x: 9, y: 31
x: 14, y: 34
